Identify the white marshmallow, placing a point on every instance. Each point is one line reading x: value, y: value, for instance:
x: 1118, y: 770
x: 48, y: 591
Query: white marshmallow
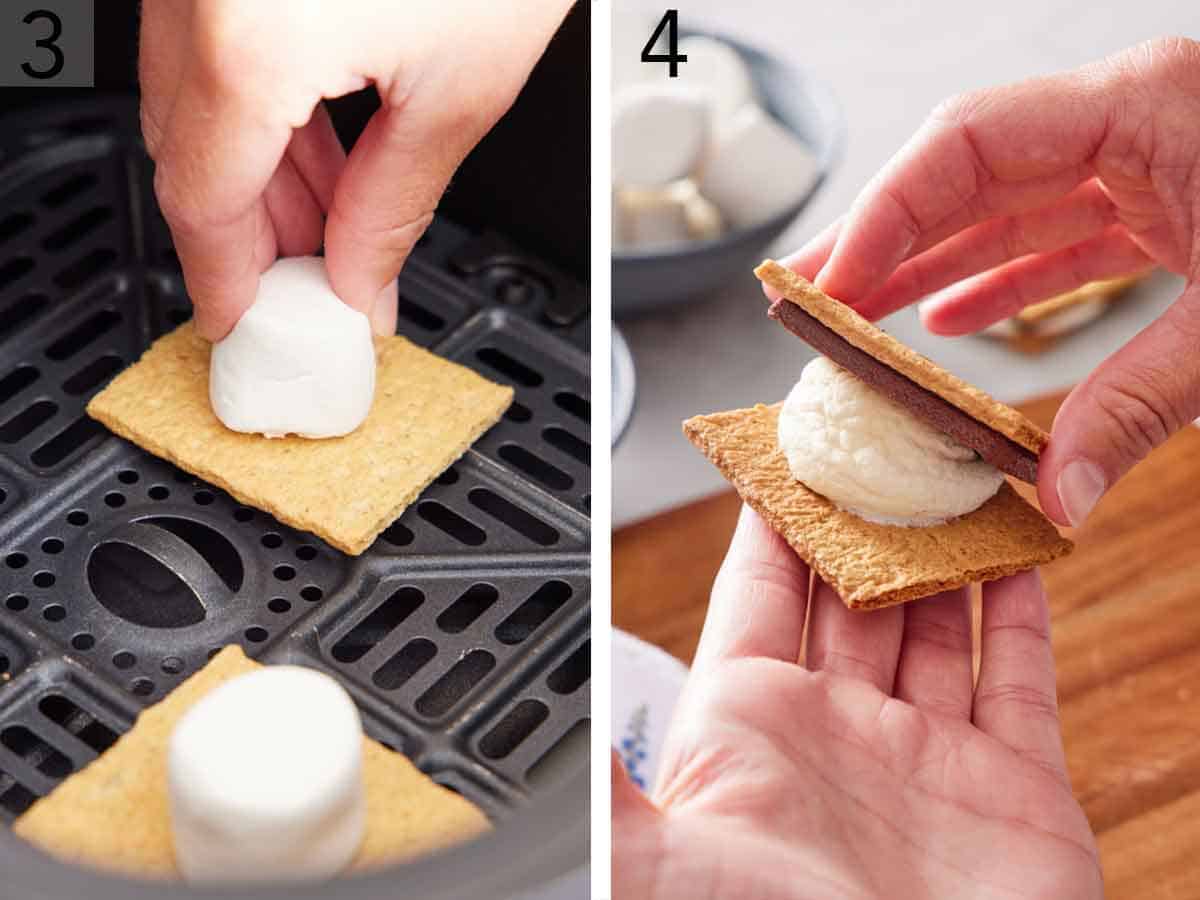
x: 265, y: 780
x: 660, y: 217
x: 658, y: 133
x: 755, y: 168
x: 704, y: 220
x: 299, y: 361
x: 651, y: 217
x: 718, y: 69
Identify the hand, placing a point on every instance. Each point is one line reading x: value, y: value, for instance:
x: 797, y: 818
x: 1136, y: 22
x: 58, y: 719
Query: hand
x: 1018, y: 193
x: 871, y: 768
x: 249, y: 167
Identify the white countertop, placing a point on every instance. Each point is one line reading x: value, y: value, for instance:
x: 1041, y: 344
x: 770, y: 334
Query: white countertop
x: 888, y: 68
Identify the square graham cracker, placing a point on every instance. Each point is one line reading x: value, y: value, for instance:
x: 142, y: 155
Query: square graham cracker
x: 847, y: 323
x: 408, y: 814
x: 871, y: 565
x: 346, y: 490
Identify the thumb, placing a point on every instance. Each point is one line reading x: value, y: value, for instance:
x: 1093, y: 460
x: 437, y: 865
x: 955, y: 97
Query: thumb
x: 1134, y: 401
x: 635, y: 838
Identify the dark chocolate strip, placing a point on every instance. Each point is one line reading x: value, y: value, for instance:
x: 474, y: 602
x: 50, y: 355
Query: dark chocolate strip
x: 1001, y: 451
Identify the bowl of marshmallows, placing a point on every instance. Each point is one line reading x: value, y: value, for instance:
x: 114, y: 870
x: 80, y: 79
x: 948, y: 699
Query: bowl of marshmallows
x: 709, y: 167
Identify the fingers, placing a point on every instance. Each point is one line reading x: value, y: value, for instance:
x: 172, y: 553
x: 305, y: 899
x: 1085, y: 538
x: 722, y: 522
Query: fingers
x: 934, y: 672
x: 295, y: 215
x: 318, y: 156
x: 995, y: 152
x: 808, y: 260
x: 217, y: 154
x: 863, y: 645
x: 1015, y: 699
x: 1130, y: 404
x: 635, y: 838
x: 1006, y: 290
x: 301, y: 190
x: 1082, y: 214
x: 162, y: 41
x: 385, y: 199
x: 758, y: 599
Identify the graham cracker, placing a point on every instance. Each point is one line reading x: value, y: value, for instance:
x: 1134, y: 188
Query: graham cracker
x: 871, y: 565
x: 1108, y: 289
x: 427, y: 412
x: 912, y: 365
x: 115, y: 813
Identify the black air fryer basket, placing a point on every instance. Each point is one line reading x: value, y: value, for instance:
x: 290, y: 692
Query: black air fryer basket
x: 462, y: 633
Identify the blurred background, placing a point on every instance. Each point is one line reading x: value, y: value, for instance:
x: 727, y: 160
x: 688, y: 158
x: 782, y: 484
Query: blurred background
x: 886, y: 67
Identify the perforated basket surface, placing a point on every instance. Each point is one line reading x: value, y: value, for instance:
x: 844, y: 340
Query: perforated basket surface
x: 462, y: 633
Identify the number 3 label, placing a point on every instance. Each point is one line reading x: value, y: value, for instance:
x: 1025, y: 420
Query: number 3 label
x: 48, y: 42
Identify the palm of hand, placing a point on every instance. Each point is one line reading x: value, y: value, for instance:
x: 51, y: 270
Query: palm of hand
x: 819, y: 785
x: 819, y: 753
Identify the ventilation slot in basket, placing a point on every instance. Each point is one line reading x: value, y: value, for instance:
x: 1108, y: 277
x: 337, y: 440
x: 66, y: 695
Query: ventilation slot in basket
x: 569, y: 444
x: 77, y: 229
x: 71, y: 718
x: 514, y: 517
x: 456, y: 683
x: 404, y: 665
x: 530, y: 615
x: 70, y: 189
x: 517, y: 725
x: 562, y: 758
x: 16, y: 315
x: 16, y: 381
x: 573, y: 672
x: 536, y: 467
x: 83, y: 334
x: 451, y: 523
x: 25, y: 422
x: 27, y: 745
x: 66, y: 442
x: 93, y: 374
x: 574, y: 404
x: 459, y: 615
x: 510, y: 367
x: 356, y: 643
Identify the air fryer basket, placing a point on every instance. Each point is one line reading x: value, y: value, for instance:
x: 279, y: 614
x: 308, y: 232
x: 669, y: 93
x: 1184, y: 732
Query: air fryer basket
x: 462, y: 633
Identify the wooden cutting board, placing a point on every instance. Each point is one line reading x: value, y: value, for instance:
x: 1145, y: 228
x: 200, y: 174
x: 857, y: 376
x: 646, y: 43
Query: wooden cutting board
x: 1126, y: 618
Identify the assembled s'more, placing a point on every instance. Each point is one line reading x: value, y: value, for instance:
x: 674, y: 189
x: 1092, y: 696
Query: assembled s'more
x: 884, y: 472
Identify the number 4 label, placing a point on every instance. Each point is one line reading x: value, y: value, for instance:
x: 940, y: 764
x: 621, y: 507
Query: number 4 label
x: 669, y: 23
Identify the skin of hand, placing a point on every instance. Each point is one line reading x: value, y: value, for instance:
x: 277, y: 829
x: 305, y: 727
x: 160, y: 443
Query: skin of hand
x: 1011, y: 195
x: 859, y: 760
x: 248, y: 166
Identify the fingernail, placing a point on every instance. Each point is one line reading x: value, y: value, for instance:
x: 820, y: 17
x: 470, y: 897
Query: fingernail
x: 1080, y: 486
x: 383, y: 312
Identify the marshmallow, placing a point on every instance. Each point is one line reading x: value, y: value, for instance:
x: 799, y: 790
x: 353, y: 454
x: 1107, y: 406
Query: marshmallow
x: 299, y: 361
x: 265, y: 780
x: 658, y: 133
x: 874, y: 458
x: 719, y: 70
x: 659, y: 217
x: 704, y: 220
x: 755, y: 168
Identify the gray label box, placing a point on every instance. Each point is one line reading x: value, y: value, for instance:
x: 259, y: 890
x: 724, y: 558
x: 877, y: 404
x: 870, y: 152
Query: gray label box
x: 47, y: 43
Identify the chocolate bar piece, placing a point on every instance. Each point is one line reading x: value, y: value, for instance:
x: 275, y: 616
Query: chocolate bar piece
x: 999, y: 450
